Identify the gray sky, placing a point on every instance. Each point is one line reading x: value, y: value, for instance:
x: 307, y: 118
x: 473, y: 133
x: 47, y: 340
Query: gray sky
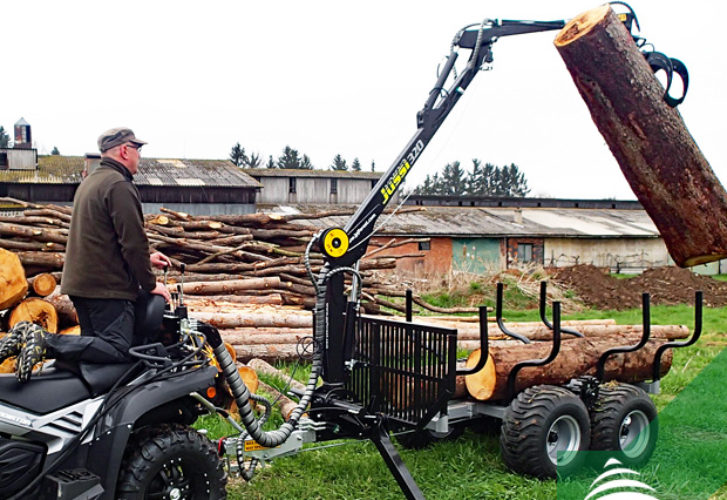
x: 328, y: 77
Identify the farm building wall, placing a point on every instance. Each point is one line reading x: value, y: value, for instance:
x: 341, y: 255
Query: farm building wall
x: 618, y: 254
x: 436, y: 254
x: 477, y: 255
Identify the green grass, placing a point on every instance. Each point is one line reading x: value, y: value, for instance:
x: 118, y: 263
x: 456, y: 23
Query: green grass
x: 469, y: 467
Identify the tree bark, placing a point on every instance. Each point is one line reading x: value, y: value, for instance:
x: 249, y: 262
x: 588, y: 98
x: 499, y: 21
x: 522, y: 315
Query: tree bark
x: 13, y: 285
x: 64, y: 307
x: 216, y: 287
x: 270, y: 352
x: 659, y: 158
x: 297, y: 319
x: 576, y: 357
x: 47, y: 260
x: 43, y: 235
x: 262, y: 366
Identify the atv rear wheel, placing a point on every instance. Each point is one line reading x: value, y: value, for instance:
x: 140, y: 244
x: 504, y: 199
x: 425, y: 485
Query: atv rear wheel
x: 171, y: 462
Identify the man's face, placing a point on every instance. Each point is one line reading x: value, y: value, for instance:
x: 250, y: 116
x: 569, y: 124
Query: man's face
x: 133, y: 156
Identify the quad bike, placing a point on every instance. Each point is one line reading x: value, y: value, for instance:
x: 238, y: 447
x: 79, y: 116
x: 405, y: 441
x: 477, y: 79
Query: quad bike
x: 123, y: 431
x: 84, y: 430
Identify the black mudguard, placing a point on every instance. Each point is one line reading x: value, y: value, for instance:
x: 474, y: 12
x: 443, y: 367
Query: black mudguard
x: 112, y: 433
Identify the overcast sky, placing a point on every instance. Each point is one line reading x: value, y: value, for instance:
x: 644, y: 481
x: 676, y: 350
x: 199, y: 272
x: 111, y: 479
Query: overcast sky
x: 328, y: 77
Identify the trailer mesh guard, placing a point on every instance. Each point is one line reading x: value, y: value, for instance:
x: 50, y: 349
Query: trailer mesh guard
x: 404, y: 370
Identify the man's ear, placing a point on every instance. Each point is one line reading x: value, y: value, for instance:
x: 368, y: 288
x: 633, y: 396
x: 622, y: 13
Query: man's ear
x: 124, y: 151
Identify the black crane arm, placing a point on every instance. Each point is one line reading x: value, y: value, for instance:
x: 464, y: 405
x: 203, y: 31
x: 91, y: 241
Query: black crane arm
x: 343, y: 247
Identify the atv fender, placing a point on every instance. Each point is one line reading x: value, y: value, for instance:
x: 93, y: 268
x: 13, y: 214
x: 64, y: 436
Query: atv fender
x: 113, y: 431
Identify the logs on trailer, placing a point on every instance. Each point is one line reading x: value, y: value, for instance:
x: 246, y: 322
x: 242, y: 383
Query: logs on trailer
x: 659, y: 158
x: 576, y: 357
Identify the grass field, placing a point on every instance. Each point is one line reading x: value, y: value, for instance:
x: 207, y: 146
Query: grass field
x: 470, y: 467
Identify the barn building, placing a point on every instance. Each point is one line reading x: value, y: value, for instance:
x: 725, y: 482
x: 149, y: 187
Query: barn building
x: 313, y: 186
x: 198, y: 187
x: 503, y: 233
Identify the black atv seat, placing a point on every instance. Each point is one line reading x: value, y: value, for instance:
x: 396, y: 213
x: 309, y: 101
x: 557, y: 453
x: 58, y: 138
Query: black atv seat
x: 60, y: 385
x: 45, y: 392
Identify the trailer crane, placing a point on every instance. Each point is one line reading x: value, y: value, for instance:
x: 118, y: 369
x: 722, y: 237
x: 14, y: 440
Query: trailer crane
x: 381, y: 376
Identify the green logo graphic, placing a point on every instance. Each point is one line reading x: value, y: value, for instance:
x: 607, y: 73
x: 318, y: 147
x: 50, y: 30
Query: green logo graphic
x: 690, y: 458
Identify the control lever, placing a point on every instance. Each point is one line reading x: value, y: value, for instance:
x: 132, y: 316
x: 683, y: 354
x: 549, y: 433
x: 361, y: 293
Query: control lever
x: 180, y: 287
x: 167, y: 306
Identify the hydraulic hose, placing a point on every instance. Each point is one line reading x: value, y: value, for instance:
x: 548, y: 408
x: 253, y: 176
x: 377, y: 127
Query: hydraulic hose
x: 240, y: 391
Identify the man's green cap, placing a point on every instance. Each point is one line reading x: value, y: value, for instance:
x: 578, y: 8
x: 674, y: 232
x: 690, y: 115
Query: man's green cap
x: 117, y: 136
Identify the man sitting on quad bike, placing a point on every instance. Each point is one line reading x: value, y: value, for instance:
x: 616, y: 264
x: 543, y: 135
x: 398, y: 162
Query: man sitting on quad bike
x: 107, y: 266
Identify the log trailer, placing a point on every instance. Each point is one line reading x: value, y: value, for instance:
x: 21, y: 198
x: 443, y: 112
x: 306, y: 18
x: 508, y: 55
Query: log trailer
x: 382, y: 376
x: 123, y: 430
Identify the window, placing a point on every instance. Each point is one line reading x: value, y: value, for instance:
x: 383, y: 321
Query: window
x: 3, y: 161
x: 425, y: 245
x: 525, y: 252
x: 334, y: 186
x: 291, y: 185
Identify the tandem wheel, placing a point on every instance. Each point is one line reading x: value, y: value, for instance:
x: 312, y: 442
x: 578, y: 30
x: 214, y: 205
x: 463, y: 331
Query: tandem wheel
x: 623, y: 420
x: 543, y: 430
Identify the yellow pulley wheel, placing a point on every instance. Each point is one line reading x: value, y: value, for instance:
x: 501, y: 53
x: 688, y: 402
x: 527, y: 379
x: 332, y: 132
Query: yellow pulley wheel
x: 335, y: 242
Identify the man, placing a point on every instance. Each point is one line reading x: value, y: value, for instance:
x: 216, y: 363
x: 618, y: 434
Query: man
x: 107, y: 265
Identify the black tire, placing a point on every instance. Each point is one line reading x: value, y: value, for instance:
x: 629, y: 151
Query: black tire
x: 421, y: 439
x: 623, y: 420
x: 540, y: 422
x: 171, y: 461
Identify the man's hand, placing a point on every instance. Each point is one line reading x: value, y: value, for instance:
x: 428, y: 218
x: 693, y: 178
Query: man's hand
x: 159, y: 260
x: 160, y: 289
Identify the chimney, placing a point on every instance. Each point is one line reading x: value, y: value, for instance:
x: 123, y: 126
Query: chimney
x: 90, y: 162
x: 23, y: 137
x: 518, y: 219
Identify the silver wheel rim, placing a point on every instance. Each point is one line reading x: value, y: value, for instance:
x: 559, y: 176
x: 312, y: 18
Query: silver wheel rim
x: 634, y: 434
x: 564, y: 439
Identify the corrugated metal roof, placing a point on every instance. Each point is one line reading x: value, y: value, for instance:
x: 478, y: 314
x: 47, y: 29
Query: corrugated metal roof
x: 291, y: 172
x: 210, y: 173
x: 57, y: 169
x: 501, y: 222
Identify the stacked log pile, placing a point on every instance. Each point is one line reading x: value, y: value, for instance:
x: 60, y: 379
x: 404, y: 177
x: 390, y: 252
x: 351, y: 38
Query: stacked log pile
x: 221, y: 254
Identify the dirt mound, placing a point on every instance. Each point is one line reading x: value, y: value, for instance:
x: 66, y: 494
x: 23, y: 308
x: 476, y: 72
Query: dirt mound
x: 666, y: 285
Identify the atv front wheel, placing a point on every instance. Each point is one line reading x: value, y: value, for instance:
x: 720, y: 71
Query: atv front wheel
x: 171, y: 462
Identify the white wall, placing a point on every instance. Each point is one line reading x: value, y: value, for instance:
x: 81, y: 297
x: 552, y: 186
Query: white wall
x: 633, y: 254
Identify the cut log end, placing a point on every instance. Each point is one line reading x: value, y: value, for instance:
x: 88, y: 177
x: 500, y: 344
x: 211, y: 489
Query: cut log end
x: 44, y: 284
x: 13, y: 285
x: 480, y: 385
x: 36, y: 311
x: 581, y: 25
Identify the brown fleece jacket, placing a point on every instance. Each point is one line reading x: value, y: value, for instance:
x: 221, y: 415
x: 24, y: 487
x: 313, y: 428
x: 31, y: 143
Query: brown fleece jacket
x: 107, y: 256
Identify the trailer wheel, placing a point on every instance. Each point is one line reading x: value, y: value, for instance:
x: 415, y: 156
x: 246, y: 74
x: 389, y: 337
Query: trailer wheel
x: 543, y: 430
x: 171, y: 461
x: 623, y: 420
